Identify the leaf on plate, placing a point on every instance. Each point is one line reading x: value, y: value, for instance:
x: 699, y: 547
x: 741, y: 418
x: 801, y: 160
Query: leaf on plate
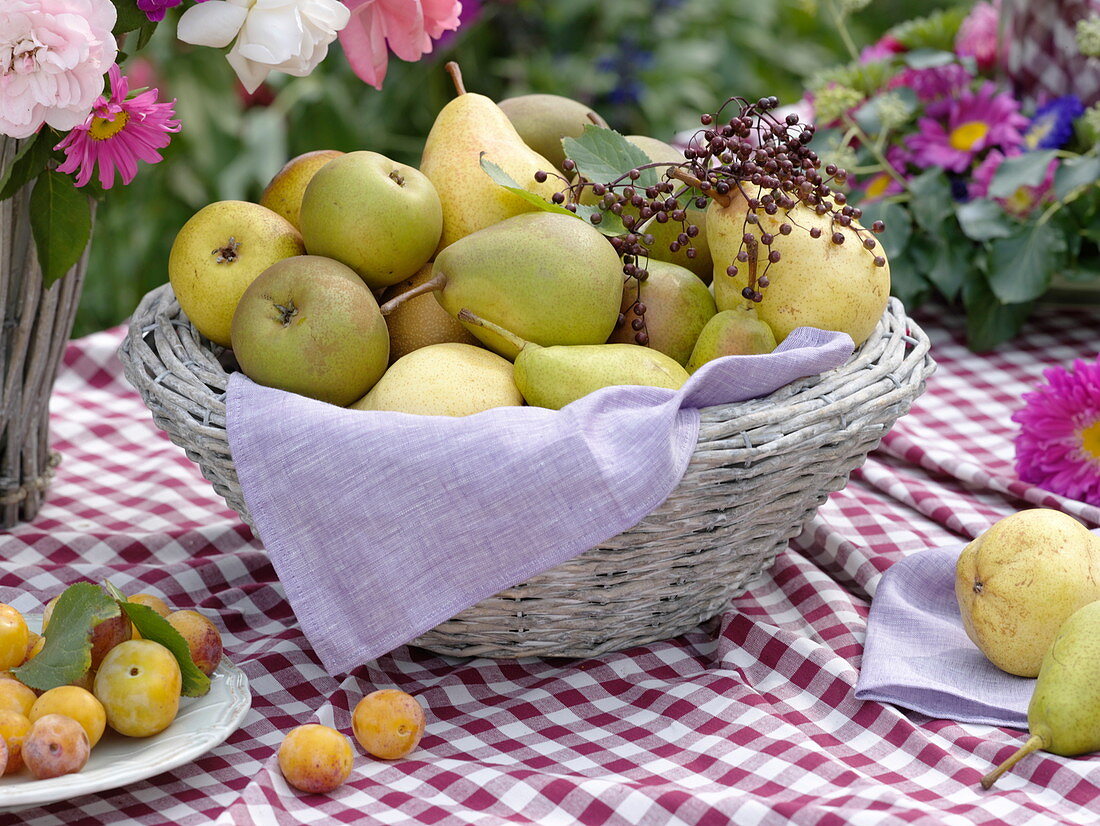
x: 603, y: 155
x: 67, y: 653
x: 152, y: 626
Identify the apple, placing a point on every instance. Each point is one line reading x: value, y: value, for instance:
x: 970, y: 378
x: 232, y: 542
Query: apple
x: 218, y: 253
x: 310, y: 325
x: 381, y: 218
x: 284, y: 194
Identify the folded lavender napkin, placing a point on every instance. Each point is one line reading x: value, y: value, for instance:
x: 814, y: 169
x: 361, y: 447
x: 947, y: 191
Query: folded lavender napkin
x: 918, y: 656
x: 382, y: 525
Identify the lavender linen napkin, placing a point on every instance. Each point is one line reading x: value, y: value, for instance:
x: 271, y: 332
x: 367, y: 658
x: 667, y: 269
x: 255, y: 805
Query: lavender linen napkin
x: 918, y: 656
x: 382, y: 525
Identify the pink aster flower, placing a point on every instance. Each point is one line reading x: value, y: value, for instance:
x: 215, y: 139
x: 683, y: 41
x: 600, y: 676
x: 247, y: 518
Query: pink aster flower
x: 973, y: 122
x: 407, y: 27
x: 977, y: 35
x: 883, y: 184
x: 1021, y: 202
x: 53, y: 55
x: 1058, y: 446
x: 117, y: 134
x: 885, y: 47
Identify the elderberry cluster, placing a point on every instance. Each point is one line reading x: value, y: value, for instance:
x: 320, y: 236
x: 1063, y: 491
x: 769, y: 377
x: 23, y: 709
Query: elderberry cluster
x: 764, y: 160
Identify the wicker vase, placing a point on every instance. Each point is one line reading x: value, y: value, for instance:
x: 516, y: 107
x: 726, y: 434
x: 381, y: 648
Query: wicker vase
x: 37, y: 324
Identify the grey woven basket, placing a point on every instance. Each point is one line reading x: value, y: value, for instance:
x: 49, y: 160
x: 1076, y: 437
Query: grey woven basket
x: 759, y: 472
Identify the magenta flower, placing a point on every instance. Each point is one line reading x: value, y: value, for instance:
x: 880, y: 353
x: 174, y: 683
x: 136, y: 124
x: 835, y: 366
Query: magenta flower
x: 884, y: 48
x: 407, y: 27
x: 1058, y: 446
x: 155, y: 9
x: 935, y: 84
x: 117, y: 134
x: 1021, y: 202
x: 977, y: 35
x: 975, y: 121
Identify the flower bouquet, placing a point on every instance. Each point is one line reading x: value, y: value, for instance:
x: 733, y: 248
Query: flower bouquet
x: 973, y: 134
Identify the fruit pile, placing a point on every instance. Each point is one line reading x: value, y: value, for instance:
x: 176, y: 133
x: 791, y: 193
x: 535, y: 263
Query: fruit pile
x: 1028, y: 590
x: 561, y: 257
x: 102, y: 660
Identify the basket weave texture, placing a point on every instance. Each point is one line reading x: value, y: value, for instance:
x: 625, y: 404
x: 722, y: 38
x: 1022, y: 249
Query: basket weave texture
x: 759, y: 472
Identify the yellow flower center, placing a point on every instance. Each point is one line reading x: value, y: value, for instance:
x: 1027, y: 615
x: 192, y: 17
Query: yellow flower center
x: 965, y: 135
x: 1090, y: 439
x: 103, y: 129
x: 878, y: 185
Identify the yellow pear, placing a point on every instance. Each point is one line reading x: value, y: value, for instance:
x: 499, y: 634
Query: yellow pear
x: 468, y: 126
x: 420, y: 321
x: 815, y: 282
x: 1019, y: 580
x: 448, y: 379
x: 284, y: 194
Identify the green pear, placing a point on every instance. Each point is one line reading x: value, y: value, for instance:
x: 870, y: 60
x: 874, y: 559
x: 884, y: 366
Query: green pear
x: 381, y: 218
x: 219, y: 251
x: 444, y: 380
x: 677, y: 308
x: 420, y: 321
x: 815, y: 283
x: 1019, y: 580
x: 557, y: 375
x: 549, y: 277
x: 1064, y: 713
x: 466, y: 128
x: 284, y: 193
x: 731, y: 333
x: 544, y: 120
x: 310, y: 325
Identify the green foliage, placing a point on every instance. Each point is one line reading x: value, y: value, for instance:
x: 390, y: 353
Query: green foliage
x: 603, y: 155
x: 61, y: 223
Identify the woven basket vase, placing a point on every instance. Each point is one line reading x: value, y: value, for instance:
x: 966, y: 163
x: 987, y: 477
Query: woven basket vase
x: 759, y: 472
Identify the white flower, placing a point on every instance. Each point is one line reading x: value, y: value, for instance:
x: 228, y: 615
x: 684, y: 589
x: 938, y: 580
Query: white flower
x: 290, y: 36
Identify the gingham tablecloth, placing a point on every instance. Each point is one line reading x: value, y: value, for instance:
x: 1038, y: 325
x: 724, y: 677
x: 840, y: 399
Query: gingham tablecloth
x: 749, y: 719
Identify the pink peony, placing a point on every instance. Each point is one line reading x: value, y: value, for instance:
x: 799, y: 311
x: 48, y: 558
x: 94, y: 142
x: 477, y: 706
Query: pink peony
x: 408, y: 27
x: 53, y: 56
x: 977, y: 35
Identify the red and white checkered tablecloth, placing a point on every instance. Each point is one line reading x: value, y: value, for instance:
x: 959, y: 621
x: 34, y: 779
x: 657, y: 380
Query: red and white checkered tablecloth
x: 750, y: 719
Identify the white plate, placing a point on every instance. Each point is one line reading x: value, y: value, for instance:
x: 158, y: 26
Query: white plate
x: 201, y: 724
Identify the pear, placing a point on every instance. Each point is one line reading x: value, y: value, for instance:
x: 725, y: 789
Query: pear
x: 467, y: 127
x: 677, y: 308
x: 1062, y: 715
x: 381, y: 218
x: 444, y: 380
x: 1019, y: 580
x: 420, y: 322
x: 555, y: 376
x: 544, y: 120
x: 731, y: 333
x: 284, y: 193
x: 815, y: 282
x: 550, y: 278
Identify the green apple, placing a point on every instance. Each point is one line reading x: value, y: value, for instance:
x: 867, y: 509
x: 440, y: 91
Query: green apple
x: 381, y: 218
x: 310, y: 325
x: 284, y: 194
x: 218, y: 253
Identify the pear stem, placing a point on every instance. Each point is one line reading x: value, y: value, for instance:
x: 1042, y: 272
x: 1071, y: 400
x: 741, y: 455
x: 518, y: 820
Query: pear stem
x: 681, y: 174
x: 437, y: 282
x: 469, y: 317
x: 1033, y: 743
x: 456, y: 76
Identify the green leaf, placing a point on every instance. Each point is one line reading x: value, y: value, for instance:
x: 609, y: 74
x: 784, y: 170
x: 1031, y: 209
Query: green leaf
x: 1027, y: 169
x: 983, y: 220
x: 28, y: 163
x: 610, y: 224
x: 988, y: 321
x: 899, y: 226
x: 1020, y: 267
x: 948, y: 266
x: 61, y: 223
x: 130, y: 17
x: 1075, y: 172
x: 603, y: 155
x: 67, y: 653
x: 907, y: 280
x: 152, y: 626
x: 145, y: 34
x: 928, y: 58
x: 932, y: 202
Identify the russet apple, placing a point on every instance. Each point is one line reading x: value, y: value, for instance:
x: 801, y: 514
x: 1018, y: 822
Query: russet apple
x: 218, y: 253
x: 310, y: 325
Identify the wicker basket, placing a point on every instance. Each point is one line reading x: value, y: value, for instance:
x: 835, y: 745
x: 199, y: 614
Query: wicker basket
x: 759, y: 472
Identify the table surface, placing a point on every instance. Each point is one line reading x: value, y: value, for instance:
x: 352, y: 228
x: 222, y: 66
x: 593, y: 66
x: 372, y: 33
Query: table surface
x: 750, y: 719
